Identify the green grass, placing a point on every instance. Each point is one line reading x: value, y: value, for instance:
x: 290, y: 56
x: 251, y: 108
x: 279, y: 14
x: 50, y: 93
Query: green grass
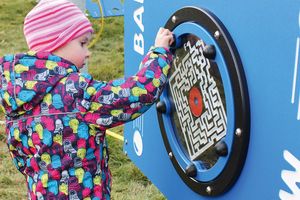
x: 105, y: 63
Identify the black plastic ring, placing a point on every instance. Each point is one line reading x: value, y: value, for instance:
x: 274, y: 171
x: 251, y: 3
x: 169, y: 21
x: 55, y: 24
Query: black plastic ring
x: 238, y: 151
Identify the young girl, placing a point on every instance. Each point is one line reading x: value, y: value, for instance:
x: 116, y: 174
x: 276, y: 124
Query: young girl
x: 56, y: 117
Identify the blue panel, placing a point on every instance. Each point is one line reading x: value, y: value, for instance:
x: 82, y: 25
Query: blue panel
x: 110, y: 8
x: 267, y: 37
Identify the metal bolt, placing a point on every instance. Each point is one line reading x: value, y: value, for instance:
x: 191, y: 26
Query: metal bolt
x: 125, y: 153
x: 217, y: 35
x: 171, y: 155
x: 126, y: 142
x: 174, y: 18
x: 208, y: 190
x: 238, y: 132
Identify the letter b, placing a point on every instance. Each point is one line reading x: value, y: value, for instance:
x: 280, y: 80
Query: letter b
x: 139, y: 43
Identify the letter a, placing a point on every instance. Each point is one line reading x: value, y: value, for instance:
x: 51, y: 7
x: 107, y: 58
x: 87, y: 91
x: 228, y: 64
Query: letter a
x: 138, y: 17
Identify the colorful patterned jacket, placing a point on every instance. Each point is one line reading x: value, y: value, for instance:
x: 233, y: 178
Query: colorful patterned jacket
x: 56, y: 119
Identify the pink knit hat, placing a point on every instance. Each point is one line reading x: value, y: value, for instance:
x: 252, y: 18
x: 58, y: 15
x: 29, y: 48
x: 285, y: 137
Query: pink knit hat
x: 53, y: 23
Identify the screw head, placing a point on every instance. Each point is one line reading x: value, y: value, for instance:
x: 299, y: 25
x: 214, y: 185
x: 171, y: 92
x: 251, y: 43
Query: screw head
x: 208, y: 190
x: 170, y: 154
x: 125, y: 153
x: 174, y: 19
x: 217, y: 35
x: 238, y: 132
x: 126, y: 142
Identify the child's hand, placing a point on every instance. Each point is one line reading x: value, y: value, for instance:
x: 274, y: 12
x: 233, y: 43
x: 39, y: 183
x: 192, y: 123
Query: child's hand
x: 164, y: 38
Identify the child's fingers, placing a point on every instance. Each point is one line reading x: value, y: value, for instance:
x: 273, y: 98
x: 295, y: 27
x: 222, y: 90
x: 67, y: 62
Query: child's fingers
x: 169, y: 32
x: 164, y: 37
x: 166, y: 32
x: 161, y: 29
x: 170, y: 39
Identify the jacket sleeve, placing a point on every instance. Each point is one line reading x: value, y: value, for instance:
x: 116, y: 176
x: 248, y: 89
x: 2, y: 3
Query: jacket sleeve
x: 2, y: 110
x: 113, y: 103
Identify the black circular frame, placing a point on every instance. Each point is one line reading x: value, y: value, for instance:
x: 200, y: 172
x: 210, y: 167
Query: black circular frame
x: 238, y: 152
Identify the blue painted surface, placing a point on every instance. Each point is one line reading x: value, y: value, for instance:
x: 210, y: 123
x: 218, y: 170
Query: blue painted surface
x: 265, y: 34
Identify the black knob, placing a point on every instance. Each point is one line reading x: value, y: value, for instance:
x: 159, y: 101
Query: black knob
x: 209, y: 52
x: 191, y: 170
x: 161, y: 107
x: 173, y: 45
x: 221, y: 149
x: 176, y: 44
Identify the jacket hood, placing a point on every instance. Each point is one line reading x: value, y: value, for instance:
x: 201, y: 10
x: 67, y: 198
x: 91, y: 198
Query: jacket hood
x: 27, y: 78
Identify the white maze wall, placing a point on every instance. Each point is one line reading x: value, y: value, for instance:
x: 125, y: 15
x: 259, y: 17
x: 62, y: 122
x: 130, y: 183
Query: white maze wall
x: 200, y: 133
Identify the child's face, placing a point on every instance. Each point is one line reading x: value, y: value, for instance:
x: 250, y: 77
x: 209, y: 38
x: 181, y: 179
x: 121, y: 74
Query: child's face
x: 76, y: 51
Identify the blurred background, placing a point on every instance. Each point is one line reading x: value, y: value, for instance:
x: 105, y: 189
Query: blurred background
x: 106, y: 63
